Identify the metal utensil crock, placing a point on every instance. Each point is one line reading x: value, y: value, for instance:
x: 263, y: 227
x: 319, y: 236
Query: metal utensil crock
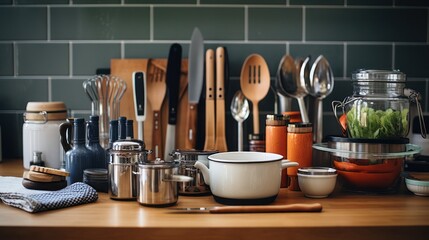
x: 157, y: 183
x: 125, y: 155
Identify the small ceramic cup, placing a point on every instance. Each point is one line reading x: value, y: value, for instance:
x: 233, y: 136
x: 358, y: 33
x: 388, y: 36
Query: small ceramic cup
x: 317, y: 182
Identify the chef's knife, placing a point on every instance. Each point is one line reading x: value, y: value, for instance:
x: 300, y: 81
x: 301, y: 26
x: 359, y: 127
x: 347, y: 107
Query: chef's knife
x: 297, y: 207
x: 139, y: 85
x: 220, y: 101
x: 195, y: 84
x: 209, y: 143
x: 173, y: 84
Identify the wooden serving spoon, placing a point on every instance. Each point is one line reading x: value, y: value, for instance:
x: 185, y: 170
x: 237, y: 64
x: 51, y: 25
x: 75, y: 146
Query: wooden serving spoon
x: 156, y: 89
x: 255, y: 83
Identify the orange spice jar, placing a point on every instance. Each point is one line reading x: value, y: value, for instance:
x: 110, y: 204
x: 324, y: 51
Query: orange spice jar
x: 276, y: 137
x: 300, y: 149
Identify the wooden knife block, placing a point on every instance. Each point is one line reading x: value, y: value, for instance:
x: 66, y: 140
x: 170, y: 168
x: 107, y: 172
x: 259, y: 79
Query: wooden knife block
x: 124, y: 69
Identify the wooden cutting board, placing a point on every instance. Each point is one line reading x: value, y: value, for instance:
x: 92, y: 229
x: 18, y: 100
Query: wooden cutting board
x: 124, y: 69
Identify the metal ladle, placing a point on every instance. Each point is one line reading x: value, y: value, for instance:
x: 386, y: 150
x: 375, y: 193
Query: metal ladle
x: 240, y: 111
x: 292, y: 84
x: 321, y: 85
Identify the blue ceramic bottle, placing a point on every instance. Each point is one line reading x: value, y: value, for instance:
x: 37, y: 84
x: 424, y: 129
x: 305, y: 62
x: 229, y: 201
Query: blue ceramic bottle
x: 113, y: 132
x: 122, y: 128
x: 93, y: 144
x: 130, y: 129
x: 79, y: 157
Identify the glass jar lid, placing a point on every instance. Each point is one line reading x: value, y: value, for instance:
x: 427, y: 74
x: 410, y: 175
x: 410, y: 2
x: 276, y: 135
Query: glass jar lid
x: 365, y: 75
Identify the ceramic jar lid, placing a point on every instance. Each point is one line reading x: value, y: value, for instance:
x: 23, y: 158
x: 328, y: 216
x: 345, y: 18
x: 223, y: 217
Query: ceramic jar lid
x: 45, y: 111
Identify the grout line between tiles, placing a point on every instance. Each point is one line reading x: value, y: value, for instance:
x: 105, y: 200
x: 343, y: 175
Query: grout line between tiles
x: 49, y: 89
x: 48, y: 23
x: 151, y: 24
x: 345, y: 60
x: 393, y: 55
x: 303, y: 23
x: 246, y: 23
x: 15, y: 59
x: 70, y: 58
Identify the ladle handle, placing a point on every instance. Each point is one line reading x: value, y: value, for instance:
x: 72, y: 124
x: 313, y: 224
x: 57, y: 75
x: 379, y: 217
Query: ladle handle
x: 303, y: 110
x: 318, y: 131
x: 240, y: 136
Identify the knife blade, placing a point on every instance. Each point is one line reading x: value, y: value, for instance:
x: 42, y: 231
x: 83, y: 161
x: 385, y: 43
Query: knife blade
x: 220, y: 144
x: 296, y: 207
x: 209, y: 143
x: 195, y: 84
x: 173, y: 83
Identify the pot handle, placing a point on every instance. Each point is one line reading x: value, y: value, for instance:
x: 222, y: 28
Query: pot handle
x: 287, y: 163
x: 414, y: 97
x: 178, y: 178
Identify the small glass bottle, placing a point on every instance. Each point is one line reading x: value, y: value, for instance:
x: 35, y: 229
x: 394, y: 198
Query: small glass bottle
x: 299, y: 149
x: 79, y: 157
x: 276, y: 138
x: 99, y: 154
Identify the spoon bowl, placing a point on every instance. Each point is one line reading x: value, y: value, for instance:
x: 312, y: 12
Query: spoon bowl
x: 321, y: 85
x: 240, y: 111
x: 255, y: 83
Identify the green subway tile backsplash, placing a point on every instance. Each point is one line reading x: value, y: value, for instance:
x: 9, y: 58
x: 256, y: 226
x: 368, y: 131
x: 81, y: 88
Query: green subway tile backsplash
x: 88, y: 57
x: 171, y: 23
x: 15, y: 93
x: 6, y: 54
x: 71, y: 92
x: 275, y: 24
x: 412, y: 59
x: 43, y: 59
x: 99, y: 23
x: 364, y: 24
x: 48, y: 48
x: 23, y: 23
x: 368, y: 57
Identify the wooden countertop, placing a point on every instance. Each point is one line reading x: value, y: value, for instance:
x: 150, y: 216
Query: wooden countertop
x: 344, y: 216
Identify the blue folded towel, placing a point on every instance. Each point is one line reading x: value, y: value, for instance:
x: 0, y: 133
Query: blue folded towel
x: 75, y: 194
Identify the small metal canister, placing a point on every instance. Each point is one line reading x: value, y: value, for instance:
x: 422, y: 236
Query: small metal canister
x: 187, y: 159
x: 125, y: 155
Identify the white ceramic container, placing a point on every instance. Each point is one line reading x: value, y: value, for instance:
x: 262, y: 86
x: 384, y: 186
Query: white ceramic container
x: 317, y: 182
x: 240, y: 178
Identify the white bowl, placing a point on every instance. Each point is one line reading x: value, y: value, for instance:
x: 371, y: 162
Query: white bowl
x: 317, y: 182
x: 417, y: 186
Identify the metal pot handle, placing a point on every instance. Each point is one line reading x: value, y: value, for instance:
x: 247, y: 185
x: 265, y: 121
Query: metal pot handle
x: 414, y: 97
x: 178, y: 178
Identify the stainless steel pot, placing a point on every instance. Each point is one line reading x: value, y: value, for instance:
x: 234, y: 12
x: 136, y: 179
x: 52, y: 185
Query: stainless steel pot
x: 125, y: 155
x: 187, y: 160
x: 157, y: 183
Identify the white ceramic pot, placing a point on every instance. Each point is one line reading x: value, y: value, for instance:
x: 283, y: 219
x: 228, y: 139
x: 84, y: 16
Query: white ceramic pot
x: 238, y: 178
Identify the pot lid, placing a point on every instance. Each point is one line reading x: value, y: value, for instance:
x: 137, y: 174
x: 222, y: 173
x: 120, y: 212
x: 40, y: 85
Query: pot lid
x: 245, y: 157
x: 158, y: 163
x: 129, y: 145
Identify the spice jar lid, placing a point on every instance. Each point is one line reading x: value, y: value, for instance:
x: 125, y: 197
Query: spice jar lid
x: 45, y: 111
x: 365, y: 75
x: 277, y: 120
x: 300, y: 127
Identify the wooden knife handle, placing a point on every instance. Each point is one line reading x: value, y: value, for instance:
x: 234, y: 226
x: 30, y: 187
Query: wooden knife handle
x: 191, y: 129
x: 298, y: 207
x: 156, y: 135
x: 209, y: 143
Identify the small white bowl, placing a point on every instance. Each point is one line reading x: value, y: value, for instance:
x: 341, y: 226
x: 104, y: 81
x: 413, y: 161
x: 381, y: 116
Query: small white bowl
x: 417, y: 186
x: 317, y: 182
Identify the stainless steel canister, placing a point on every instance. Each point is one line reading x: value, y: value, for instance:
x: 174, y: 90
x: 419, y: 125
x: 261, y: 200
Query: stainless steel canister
x: 157, y: 183
x: 187, y: 159
x: 125, y: 155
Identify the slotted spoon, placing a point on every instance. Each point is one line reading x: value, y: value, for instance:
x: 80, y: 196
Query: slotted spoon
x: 255, y: 83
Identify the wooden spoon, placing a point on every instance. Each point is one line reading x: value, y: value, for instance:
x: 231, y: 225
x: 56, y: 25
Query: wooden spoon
x: 255, y: 83
x: 156, y: 89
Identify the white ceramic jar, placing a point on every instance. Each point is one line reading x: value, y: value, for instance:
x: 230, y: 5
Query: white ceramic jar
x: 41, y: 132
